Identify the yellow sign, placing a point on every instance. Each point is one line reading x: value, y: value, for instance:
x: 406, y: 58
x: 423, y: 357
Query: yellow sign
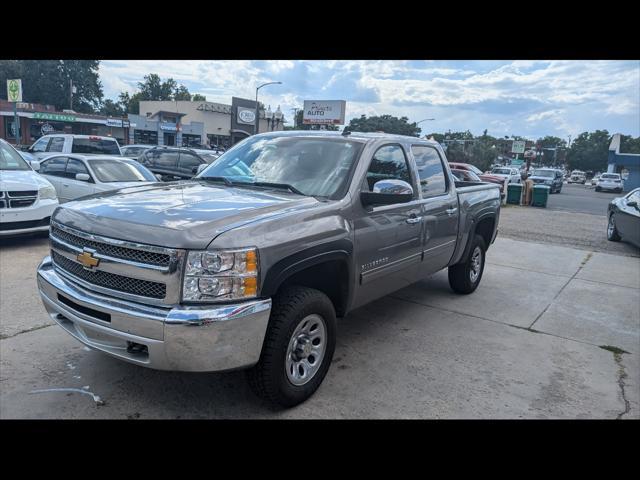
x: 14, y: 90
x: 88, y: 260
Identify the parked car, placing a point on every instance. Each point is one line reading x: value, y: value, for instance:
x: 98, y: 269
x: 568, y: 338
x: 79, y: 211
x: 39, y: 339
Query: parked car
x: 134, y: 151
x: 66, y: 143
x: 75, y: 176
x: 611, y: 182
x: 485, y: 177
x: 173, y: 163
x: 510, y: 174
x: 548, y: 176
x: 577, y: 176
x: 249, y: 264
x: 594, y: 180
x: 27, y: 199
x: 208, y: 155
x: 465, y: 175
x: 624, y: 218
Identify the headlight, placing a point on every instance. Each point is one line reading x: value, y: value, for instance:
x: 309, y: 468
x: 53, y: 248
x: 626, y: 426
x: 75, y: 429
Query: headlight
x: 212, y: 275
x: 548, y: 182
x: 47, y: 193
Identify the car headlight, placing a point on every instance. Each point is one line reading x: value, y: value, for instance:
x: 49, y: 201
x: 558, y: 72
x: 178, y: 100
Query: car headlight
x: 548, y: 182
x: 47, y: 193
x: 214, y: 275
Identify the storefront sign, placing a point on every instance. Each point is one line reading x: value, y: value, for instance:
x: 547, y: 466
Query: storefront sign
x: 172, y: 127
x: 329, y: 112
x: 14, y: 90
x: 113, y: 123
x: 246, y: 116
x: 54, y: 116
x: 518, y: 146
x: 126, y: 124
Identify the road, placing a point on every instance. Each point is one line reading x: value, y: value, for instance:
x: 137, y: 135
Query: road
x: 527, y: 344
x: 581, y: 199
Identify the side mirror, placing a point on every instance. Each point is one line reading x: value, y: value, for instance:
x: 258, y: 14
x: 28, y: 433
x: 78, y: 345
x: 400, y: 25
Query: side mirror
x: 388, y: 192
x: 633, y: 203
x: 201, y: 168
x: 159, y: 177
x: 35, y: 165
x: 83, y: 177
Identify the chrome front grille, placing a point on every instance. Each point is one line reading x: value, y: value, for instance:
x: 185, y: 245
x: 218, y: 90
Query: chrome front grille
x: 133, y: 286
x: 18, y: 199
x: 139, y: 272
x: 141, y: 256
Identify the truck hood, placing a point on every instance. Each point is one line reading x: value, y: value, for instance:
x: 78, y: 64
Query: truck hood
x: 20, y: 180
x: 186, y: 214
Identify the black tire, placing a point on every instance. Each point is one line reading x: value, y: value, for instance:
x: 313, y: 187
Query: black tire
x: 460, y: 277
x: 612, y: 231
x: 268, y: 378
x: 597, y: 189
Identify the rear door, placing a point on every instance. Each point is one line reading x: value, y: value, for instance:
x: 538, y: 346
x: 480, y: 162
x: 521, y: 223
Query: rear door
x: 188, y: 164
x: 439, y: 209
x: 165, y: 162
x: 53, y: 169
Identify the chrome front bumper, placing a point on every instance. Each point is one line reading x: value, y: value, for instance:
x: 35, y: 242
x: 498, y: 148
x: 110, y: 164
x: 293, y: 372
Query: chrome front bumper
x: 183, y: 338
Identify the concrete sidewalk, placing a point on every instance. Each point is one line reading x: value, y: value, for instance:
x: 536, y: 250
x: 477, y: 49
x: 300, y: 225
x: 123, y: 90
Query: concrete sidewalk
x: 527, y: 344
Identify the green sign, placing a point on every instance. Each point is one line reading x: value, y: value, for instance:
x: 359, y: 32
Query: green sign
x: 14, y: 90
x: 60, y: 117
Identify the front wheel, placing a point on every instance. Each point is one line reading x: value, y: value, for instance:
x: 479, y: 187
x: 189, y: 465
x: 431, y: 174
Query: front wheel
x: 298, y: 347
x: 465, y: 277
x: 612, y: 231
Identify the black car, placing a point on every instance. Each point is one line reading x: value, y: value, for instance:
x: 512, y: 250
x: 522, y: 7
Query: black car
x: 624, y: 218
x: 172, y: 163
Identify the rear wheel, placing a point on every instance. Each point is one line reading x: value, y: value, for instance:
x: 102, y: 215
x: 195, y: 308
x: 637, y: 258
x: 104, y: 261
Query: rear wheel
x: 465, y: 277
x: 612, y: 230
x: 297, y: 349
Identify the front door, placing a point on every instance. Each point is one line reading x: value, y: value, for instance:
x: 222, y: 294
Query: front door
x: 72, y: 188
x: 169, y: 139
x: 387, y: 237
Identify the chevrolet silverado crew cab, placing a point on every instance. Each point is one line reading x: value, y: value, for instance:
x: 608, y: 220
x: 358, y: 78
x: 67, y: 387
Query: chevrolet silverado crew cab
x: 249, y: 264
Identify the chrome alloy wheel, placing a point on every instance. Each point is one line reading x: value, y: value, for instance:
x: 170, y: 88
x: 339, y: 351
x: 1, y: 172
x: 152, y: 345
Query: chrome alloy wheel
x: 611, y: 227
x: 476, y: 264
x: 306, y: 349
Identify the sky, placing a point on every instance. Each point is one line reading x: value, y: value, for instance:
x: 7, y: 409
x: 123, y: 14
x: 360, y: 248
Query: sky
x: 527, y: 98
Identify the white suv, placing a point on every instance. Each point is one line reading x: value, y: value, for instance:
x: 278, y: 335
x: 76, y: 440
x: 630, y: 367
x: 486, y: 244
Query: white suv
x: 610, y: 181
x: 66, y: 143
x: 27, y: 199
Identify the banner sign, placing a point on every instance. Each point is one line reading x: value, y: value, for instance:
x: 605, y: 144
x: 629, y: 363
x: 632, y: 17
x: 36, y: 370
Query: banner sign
x: 328, y: 112
x: 54, y: 116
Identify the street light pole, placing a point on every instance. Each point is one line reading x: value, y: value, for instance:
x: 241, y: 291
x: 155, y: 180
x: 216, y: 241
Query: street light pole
x: 426, y: 119
x: 257, y: 119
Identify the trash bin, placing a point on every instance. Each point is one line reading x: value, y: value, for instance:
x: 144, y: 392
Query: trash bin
x: 514, y: 192
x: 540, y: 195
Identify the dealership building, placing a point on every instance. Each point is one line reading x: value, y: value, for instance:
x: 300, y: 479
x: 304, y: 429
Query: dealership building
x: 36, y: 120
x: 186, y: 123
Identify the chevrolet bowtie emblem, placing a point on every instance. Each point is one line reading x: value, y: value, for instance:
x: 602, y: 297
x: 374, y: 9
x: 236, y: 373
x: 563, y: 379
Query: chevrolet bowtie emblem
x: 87, y: 259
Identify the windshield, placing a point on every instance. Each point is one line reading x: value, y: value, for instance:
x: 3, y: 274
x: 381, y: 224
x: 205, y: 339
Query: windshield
x: 109, y: 171
x: 501, y: 171
x: 610, y: 176
x: 316, y: 166
x: 543, y: 173
x: 10, y: 159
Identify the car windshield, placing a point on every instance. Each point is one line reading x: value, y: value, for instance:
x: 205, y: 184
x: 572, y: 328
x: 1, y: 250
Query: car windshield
x: 501, y: 171
x: 314, y: 166
x: 543, y: 173
x: 109, y: 171
x: 104, y: 146
x: 10, y: 159
x: 610, y: 176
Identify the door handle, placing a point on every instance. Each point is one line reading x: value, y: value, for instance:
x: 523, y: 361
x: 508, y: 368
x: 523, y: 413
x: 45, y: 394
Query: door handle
x: 65, y: 184
x: 414, y: 219
x: 451, y: 211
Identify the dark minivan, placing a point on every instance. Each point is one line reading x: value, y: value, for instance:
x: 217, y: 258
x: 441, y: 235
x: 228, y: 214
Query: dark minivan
x: 172, y: 163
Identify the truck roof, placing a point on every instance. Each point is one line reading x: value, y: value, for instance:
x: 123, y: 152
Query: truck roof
x: 359, y: 136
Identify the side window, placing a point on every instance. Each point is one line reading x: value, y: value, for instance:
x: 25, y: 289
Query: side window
x: 430, y: 171
x: 53, y: 166
x: 166, y: 159
x: 75, y: 166
x: 41, y: 145
x: 56, y: 145
x: 389, y: 162
x: 188, y: 162
x: 148, y: 158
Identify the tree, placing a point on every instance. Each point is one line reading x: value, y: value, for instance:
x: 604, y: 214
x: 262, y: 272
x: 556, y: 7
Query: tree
x: 589, y: 151
x: 628, y: 144
x: 182, y: 93
x: 48, y: 82
x: 154, y: 88
x: 384, y: 123
x: 198, y: 98
x: 112, y: 109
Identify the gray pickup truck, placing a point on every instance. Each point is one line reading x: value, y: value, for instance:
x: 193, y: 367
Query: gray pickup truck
x: 249, y: 264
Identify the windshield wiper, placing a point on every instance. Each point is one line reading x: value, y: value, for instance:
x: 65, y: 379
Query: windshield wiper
x: 277, y: 185
x: 226, y: 181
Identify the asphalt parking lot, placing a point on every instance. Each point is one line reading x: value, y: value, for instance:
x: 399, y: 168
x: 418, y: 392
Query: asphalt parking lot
x: 553, y: 331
